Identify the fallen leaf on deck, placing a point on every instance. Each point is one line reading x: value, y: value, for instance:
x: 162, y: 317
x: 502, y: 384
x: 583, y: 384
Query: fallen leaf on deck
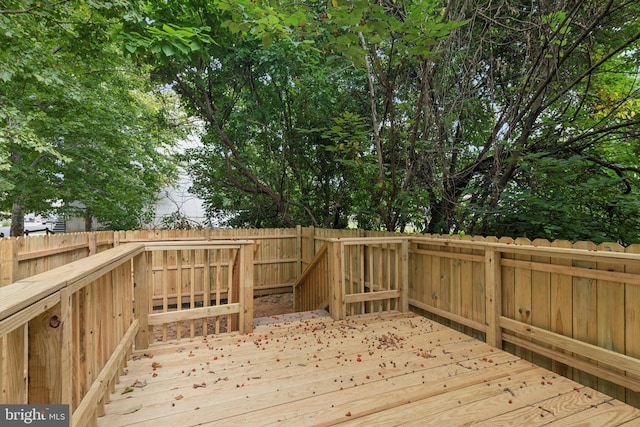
x: 127, y: 390
x: 139, y: 384
x: 178, y: 397
x: 141, y: 356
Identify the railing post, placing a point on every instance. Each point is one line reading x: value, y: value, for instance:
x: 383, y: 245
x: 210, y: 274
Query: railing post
x: 336, y: 284
x: 13, y: 348
x: 141, y: 299
x: 404, y: 285
x: 245, y: 284
x: 493, y: 297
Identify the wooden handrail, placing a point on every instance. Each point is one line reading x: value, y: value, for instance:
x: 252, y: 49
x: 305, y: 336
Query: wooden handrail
x: 25, y: 293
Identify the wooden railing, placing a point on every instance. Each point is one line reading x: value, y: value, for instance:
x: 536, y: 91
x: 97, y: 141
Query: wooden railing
x: 573, y: 308
x: 65, y: 334
x: 356, y: 276
x: 277, y: 253
x: 199, y: 280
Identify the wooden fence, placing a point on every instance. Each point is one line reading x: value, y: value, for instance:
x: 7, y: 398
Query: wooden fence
x: 574, y: 308
x: 66, y: 334
x: 277, y: 254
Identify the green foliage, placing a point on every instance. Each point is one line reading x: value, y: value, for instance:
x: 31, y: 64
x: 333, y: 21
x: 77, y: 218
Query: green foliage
x: 570, y: 198
x: 80, y: 124
x: 468, y: 115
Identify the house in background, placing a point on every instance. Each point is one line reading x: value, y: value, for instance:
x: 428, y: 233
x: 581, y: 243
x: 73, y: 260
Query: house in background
x: 178, y: 203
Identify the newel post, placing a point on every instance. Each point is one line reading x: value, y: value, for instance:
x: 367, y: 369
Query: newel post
x: 141, y: 297
x: 404, y: 285
x: 493, y: 296
x: 13, y: 351
x: 245, y: 284
x: 336, y: 291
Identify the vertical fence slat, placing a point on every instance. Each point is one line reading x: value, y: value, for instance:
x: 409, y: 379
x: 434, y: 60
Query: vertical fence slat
x: 13, y: 356
x: 585, y: 301
x: 493, y: 297
x: 561, y: 306
x: 541, y: 299
x: 523, y: 293
x: 611, y: 316
x: 8, y: 261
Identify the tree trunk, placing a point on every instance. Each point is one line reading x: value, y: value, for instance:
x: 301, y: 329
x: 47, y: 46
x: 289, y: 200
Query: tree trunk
x: 88, y: 221
x: 17, y: 219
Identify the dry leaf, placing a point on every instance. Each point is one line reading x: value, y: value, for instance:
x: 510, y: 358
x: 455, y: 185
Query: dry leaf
x: 179, y: 397
x: 141, y: 356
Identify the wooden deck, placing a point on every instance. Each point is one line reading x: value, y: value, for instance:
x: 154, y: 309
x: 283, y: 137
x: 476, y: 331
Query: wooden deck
x: 372, y: 370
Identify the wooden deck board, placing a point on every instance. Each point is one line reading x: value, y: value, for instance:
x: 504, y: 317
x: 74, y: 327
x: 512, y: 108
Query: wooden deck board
x: 370, y: 370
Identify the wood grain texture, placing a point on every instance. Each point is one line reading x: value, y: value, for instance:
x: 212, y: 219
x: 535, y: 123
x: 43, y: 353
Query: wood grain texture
x: 392, y: 370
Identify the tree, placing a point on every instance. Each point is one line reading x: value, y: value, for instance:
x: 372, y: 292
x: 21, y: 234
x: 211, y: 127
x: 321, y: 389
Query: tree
x: 80, y: 124
x: 437, y: 115
x: 524, y: 88
x: 267, y: 154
